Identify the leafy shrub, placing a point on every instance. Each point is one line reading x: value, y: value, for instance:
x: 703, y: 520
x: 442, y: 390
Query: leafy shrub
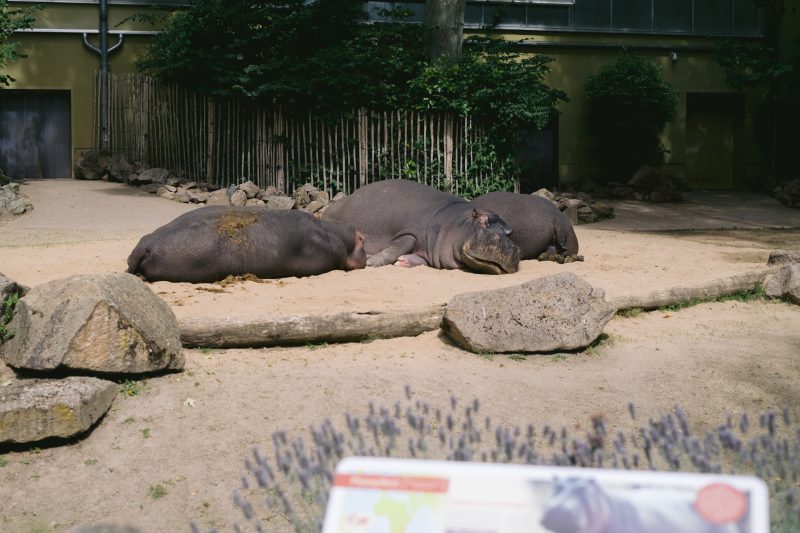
x: 6, y: 314
x: 629, y: 105
x: 297, y: 477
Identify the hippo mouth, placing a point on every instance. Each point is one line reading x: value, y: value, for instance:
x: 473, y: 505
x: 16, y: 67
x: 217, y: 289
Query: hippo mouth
x: 495, y: 255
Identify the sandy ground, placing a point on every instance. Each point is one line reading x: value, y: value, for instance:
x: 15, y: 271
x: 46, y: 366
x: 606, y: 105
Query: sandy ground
x: 713, y: 359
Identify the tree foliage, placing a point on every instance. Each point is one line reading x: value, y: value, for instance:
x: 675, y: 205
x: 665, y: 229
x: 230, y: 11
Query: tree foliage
x: 629, y: 104
x: 319, y: 55
x: 12, y: 19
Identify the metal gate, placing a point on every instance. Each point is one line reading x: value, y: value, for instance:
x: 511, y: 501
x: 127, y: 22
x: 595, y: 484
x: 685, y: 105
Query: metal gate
x: 35, y: 139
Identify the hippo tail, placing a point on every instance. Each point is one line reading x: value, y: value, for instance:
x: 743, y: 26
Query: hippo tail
x: 135, y: 259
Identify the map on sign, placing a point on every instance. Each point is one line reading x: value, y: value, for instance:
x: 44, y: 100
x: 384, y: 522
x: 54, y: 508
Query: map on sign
x: 380, y: 495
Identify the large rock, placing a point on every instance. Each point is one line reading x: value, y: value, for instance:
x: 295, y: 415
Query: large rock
x: 218, y: 197
x: 279, y: 202
x: 92, y: 165
x: 119, y: 169
x: 153, y: 175
x: 783, y: 257
x: 36, y: 409
x: 559, y: 312
x: 250, y: 189
x: 784, y: 283
x: 110, y: 323
x: 11, y: 202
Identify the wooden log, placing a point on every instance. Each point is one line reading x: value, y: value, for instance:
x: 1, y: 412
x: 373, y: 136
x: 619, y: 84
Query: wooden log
x: 302, y: 329
x: 710, y: 290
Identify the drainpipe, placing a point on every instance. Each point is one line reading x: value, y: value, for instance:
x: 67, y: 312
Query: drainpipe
x: 104, y: 52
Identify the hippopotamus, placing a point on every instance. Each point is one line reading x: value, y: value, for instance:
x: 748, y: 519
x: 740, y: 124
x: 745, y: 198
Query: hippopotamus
x: 211, y: 243
x: 407, y: 224
x: 585, y: 506
x: 540, y: 230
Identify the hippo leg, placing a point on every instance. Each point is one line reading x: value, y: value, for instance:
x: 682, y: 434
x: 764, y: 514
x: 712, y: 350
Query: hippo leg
x: 410, y: 261
x: 400, y: 246
x: 572, y: 258
x: 551, y: 254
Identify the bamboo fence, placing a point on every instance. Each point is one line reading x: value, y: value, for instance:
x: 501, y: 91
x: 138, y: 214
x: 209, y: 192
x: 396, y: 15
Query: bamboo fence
x: 228, y: 141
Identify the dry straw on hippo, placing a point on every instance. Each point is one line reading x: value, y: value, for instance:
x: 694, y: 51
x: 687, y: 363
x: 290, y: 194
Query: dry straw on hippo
x: 212, y: 243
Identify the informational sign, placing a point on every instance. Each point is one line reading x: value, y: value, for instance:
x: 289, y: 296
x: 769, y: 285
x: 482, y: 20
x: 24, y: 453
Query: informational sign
x: 374, y: 495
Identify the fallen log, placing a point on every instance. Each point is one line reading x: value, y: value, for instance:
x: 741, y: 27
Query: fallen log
x: 239, y: 332
x: 710, y: 290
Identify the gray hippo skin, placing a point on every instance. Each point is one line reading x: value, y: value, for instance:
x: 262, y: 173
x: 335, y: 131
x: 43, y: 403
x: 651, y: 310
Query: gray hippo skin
x: 211, y: 243
x: 408, y: 224
x: 584, y: 506
x: 540, y: 230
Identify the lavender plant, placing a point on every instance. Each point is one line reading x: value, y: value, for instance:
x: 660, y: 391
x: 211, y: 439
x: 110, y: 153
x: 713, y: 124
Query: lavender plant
x: 293, y: 483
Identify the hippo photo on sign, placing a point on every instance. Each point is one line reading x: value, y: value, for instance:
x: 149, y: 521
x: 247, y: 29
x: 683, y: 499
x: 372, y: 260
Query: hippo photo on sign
x: 582, y: 505
x: 407, y: 224
x: 538, y: 227
x: 211, y: 243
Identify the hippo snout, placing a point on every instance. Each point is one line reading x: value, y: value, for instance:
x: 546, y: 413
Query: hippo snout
x: 491, y: 253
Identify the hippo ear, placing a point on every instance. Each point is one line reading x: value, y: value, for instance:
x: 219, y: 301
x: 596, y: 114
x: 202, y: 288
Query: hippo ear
x: 482, y: 219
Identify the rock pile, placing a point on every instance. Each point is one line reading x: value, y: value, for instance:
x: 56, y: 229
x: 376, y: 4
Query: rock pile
x: 579, y: 207
x: 788, y: 193
x: 108, y: 325
x: 11, y: 203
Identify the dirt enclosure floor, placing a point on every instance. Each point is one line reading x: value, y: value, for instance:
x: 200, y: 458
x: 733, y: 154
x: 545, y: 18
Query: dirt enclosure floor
x: 189, y: 432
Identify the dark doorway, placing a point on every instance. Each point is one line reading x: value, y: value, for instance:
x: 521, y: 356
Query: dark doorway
x: 714, y: 129
x: 540, y: 159
x: 35, y: 139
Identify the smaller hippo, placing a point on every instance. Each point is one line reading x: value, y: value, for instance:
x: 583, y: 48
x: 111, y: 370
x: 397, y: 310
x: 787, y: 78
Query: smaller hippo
x: 539, y: 229
x: 580, y: 505
x: 211, y: 243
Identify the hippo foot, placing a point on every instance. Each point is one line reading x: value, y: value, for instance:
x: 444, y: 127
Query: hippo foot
x: 572, y: 258
x: 409, y: 261
x: 551, y: 256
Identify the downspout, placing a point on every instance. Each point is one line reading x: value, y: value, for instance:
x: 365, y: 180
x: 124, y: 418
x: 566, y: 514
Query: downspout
x: 104, y: 52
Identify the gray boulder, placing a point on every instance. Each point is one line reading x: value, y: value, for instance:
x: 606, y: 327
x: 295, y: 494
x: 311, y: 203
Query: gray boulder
x: 559, y: 312
x: 279, y: 202
x: 36, y: 409
x: 783, y: 257
x: 238, y: 198
x: 218, y: 197
x: 119, y: 169
x: 784, y: 283
x: 92, y: 165
x: 153, y: 175
x: 109, y: 323
x: 11, y: 202
x: 250, y: 189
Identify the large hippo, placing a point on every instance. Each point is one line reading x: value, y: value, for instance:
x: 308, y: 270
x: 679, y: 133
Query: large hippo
x: 407, y: 223
x: 210, y: 243
x: 540, y: 230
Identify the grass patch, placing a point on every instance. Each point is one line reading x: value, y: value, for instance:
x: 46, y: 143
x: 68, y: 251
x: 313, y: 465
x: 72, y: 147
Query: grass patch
x: 130, y: 387
x: 316, y: 345
x: 3, y: 462
x: 592, y: 348
x: 369, y: 338
x: 518, y: 357
x: 145, y: 433
x: 207, y: 350
x: 489, y: 356
x: 6, y: 313
x: 630, y: 312
x: 756, y: 294
x: 557, y: 358
x: 157, y: 491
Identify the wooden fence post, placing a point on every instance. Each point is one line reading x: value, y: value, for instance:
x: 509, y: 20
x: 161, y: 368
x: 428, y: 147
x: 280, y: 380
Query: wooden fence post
x: 211, y: 129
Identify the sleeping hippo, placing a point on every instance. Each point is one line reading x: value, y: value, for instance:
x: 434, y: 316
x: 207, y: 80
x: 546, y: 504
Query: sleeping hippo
x: 540, y: 230
x: 211, y: 243
x: 407, y: 224
x: 584, y: 506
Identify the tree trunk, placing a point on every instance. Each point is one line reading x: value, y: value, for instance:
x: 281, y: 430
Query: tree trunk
x: 282, y: 331
x: 445, y: 21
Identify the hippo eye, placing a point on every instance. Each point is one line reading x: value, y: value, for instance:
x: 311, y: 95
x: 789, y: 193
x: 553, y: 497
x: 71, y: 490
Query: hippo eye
x: 509, y: 231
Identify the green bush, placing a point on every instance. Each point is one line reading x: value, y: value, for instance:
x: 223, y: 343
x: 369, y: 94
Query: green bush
x: 629, y: 105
